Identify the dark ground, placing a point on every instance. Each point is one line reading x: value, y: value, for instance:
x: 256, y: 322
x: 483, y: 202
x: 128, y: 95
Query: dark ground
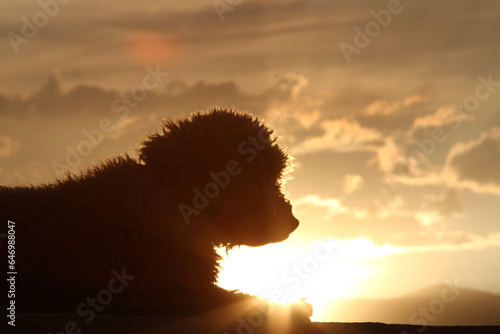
x: 73, y: 324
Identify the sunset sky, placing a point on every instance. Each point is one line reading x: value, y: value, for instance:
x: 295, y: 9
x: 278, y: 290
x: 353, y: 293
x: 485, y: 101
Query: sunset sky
x: 391, y: 110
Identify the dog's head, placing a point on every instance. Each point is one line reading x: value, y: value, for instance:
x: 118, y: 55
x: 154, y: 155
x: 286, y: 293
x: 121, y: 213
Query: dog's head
x: 227, y: 172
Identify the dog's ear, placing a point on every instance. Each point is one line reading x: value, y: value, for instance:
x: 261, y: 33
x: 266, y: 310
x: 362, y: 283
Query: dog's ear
x: 158, y: 146
x: 168, y: 160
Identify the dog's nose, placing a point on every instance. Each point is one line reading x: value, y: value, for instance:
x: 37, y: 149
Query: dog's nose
x: 294, y: 223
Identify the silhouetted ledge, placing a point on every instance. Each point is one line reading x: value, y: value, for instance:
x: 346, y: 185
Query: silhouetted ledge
x: 73, y: 324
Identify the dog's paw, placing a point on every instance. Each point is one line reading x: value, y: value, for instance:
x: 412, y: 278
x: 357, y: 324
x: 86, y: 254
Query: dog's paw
x: 302, y: 311
x: 299, y: 311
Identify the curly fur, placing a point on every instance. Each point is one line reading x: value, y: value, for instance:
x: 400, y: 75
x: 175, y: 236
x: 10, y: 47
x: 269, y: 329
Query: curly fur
x: 140, y: 216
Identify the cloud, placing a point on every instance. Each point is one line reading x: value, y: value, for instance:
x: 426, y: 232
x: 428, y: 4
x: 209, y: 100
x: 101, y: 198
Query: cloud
x: 256, y: 38
x: 332, y: 205
x: 427, y: 218
x: 397, y: 221
x: 475, y: 164
x: 364, y: 247
x: 384, y: 107
x: 9, y: 146
x: 410, y: 157
x: 388, y: 155
x: 344, y: 135
x: 308, y: 119
x: 396, y: 208
x: 471, y: 241
x: 123, y: 127
x: 289, y: 86
x: 326, y: 212
x: 429, y: 213
x: 51, y: 100
x: 447, y: 204
x: 443, y: 116
x: 391, y: 208
x: 293, y: 122
x: 352, y: 182
x: 334, y: 21
x: 172, y: 98
x: 329, y: 206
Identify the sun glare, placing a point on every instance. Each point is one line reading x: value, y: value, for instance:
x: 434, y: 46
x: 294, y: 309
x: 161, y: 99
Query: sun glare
x: 286, y: 272
x: 149, y: 47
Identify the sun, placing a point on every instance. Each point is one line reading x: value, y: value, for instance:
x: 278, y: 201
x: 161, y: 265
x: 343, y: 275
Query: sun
x: 284, y: 273
x: 149, y: 47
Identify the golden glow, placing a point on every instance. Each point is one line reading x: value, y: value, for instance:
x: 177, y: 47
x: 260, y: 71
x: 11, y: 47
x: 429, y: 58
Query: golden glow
x: 149, y: 47
x: 285, y: 272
